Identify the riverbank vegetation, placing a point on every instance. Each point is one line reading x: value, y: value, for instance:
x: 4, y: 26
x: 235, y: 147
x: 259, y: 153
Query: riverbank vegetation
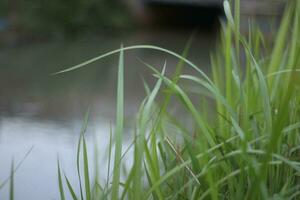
x: 242, y: 139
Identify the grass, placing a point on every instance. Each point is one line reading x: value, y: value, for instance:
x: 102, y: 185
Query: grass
x: 244, y: 139
x: 11, y: 185
x: 119, y: 128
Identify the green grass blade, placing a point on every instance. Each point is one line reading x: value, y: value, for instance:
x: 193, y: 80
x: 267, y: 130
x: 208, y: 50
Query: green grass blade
x: 71, y: 190
x: 188, y: 103
x: 127, y: 185
x: 11, y: 185
x: 238, y: 135
x: 17, y: 167
x: 122, y: 49
x: 218, y: 96
x: 280, y: 42
x: 86, y: 171
x: 60, y: 183
x: 139, y: 147
x: 82, y: 132
x: 109, y: 157
x: 228, y: 13
x: 263, y: 91
x: 119, y: 127
x: 152, y: 176
x: 291, y: 127
x: 237, y: 29
x: 285, y: 71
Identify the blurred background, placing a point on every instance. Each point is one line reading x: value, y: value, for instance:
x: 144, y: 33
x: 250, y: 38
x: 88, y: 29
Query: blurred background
x: 39, y: 37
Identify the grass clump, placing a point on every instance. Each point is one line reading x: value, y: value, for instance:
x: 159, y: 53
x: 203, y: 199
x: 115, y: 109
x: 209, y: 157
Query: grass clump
x: 245, y: 146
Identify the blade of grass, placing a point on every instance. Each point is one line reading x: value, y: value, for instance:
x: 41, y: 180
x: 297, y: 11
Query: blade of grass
x: 17, y: 167
x: 193, y: 160
x: 237, y: 29
x: 151, y: 173
x: 263, y: 91
x: 109, y: 156
x: 11, y: 186
x: 71, y: 190
x: 122, y: 49
x: 86, y: 171
x: 188, y: 103
x: 139, y: 148
x: 280, y: 42
x: 119, y: 127
x: 60, y: 183
x: 82, y: 132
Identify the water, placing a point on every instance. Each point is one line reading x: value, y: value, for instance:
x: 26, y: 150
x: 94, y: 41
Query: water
x: 45, y: 112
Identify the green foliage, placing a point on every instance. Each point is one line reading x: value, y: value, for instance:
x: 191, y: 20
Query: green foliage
x: 244, y: 146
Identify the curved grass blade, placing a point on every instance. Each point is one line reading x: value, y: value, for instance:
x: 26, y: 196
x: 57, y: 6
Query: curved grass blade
x: 188, y: 103
x: 122, y: 49
x: 291, y: 127
x: 263, y: 91
x: 282, y: 72
x: 232, y: 174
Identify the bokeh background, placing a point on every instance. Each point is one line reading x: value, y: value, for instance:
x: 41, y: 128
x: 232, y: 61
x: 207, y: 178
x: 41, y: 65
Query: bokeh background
x: 43, y: 114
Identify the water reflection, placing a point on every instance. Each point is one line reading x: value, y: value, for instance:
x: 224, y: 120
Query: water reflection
x: 46, y: 112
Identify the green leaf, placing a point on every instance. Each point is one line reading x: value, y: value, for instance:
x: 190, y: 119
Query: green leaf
x: 86, y: 171
x: 119, y: 128
x: 71, y: 190
x: 60, y: 183
x: 11, y: 185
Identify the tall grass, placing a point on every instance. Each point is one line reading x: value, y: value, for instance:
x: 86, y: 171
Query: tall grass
x: 245, y: 146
